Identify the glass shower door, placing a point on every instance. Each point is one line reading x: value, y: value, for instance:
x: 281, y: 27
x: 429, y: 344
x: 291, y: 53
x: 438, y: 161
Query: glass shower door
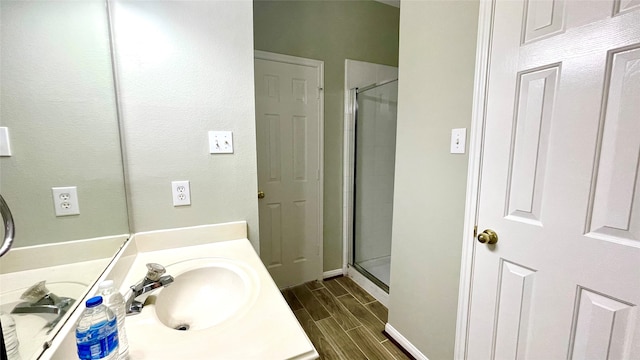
x: 375, y: 145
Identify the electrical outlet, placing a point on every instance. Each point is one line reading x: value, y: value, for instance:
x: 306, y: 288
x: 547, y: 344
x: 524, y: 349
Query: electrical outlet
x: 181, y: 193
x: 65, y: 200
x: 221, y: 142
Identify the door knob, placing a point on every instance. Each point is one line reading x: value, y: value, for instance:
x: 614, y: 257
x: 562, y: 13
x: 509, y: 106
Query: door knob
x: 260, y: 194
x: 488, y: 236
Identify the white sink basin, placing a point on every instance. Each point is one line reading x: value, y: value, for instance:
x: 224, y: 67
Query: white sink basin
x: 206, y: 292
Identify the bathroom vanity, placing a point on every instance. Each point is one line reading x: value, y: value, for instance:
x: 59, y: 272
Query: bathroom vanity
x: 222, y: 303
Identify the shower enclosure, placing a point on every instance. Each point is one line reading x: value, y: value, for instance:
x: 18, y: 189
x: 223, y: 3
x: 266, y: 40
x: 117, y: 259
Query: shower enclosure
x: 373, y: 166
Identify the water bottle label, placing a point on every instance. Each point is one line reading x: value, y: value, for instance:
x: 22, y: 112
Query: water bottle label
x: 99, y: 341
x: 97, y: 349
x: 112, y: 338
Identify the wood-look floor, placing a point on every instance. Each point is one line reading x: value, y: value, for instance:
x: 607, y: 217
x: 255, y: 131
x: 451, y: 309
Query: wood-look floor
x: 342, y: 320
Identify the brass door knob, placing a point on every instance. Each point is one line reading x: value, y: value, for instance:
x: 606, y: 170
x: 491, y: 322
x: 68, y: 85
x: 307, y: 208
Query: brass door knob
x: 260, y: 194
x: 488, y: 236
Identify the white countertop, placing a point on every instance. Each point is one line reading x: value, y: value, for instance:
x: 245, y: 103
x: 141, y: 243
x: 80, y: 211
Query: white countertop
x: 71, y: 280
x: 68, y: 269
x: 265, y: 329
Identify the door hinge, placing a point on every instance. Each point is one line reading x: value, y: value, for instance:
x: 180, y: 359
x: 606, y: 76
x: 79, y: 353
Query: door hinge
x: 318, y: 93
x: 475, y: 231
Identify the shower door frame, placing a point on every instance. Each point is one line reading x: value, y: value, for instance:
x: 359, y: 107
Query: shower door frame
x: 351, y: 188
x: 356, y: 74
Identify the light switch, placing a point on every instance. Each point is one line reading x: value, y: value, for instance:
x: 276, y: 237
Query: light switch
x: 5, y: 146
x: 458, y: 140
x: 221, y: 142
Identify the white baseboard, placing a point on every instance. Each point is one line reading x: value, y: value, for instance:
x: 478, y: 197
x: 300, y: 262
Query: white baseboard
x: 332, y: 273
x: 368, y: 286
x: 404, y: 342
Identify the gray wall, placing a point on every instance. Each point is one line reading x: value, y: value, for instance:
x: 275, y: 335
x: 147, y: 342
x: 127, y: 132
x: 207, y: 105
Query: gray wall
x: 437, y: 57
x: 186, y: 68
x: 331, y: 31
x: 58, y: 101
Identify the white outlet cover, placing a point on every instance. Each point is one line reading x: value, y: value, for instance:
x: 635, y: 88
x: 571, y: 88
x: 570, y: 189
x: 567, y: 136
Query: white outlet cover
x: 65, y: 200
x: 181, y: 193
x: 221, y: 142
x: 458, y: 140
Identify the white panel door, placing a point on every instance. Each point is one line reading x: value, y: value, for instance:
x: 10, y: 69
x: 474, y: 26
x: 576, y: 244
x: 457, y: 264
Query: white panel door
x: 288, y: 145
x: 560, y: 184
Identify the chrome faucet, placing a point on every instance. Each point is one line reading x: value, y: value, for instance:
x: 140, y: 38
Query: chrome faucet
x: 151, y: 281
x: 39, y: 300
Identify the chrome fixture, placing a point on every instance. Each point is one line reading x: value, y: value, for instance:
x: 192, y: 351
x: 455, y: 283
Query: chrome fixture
x: 39, y: 300
x: 9, y: 227
x: 152, y: 281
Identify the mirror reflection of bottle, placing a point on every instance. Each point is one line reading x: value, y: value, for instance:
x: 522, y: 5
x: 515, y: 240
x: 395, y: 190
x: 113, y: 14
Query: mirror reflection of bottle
x: 97, y: 332
x: 10, y: 335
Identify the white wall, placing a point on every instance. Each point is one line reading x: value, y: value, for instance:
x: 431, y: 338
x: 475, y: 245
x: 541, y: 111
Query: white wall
x: 186, y: 67
x: 437, y: 56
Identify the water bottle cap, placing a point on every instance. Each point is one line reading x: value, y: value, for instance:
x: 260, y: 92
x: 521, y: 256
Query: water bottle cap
x: 106, y: 284
x: 94, y: 301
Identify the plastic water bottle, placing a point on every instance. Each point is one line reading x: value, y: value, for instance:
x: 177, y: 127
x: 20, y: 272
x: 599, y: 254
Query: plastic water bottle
x: 97, y: 332
x: 115, y: 301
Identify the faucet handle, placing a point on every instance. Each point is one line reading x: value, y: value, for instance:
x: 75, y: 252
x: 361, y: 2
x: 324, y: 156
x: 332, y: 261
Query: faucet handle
x: 35, y: 293
x: 155, y: 271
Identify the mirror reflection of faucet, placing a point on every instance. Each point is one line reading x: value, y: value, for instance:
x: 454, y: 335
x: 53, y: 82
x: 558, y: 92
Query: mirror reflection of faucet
x: 153, y: 280
x: 39, y: 300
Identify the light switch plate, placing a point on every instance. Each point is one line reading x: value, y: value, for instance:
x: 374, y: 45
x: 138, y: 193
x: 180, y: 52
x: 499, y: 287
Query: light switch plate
x: 5, y: 146
x: 221, y: 142
x: 458, y: 140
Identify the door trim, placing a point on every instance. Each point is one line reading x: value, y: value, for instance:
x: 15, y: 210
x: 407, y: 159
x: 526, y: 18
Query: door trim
x: 319, y: 66
x: 481, y: 82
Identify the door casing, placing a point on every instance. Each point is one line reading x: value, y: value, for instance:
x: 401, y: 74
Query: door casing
x: 476, y: 137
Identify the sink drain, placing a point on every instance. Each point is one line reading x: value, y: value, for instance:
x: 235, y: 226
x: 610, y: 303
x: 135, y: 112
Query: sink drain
x: 183, y: 327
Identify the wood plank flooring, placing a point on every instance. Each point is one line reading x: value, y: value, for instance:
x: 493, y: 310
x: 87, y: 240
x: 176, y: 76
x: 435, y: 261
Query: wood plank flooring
x: 342, y: 320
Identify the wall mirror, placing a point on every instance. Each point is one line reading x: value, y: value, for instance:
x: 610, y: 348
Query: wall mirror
x: 58, y: 102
